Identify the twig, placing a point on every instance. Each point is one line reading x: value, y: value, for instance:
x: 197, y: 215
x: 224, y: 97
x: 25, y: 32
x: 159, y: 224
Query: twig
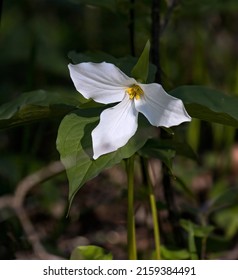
x: 34, y: 179
x: 16, y: 202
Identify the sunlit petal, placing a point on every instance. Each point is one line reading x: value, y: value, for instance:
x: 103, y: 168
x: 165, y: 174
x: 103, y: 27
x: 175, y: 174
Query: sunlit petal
x: 117, y: 125
x: 103, y: 82
x: 160, y: 108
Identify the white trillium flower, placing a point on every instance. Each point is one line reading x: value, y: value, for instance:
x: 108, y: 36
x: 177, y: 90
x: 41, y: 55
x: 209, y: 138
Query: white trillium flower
x: 105, y: 83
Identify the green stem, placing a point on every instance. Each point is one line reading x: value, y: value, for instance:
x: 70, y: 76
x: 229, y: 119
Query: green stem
x: 191, y: 244
x: 154, y: 213
x: 131, y: 235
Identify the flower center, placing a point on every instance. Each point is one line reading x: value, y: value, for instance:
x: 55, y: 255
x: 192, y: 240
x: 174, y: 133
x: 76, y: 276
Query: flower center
x: 134, y: 91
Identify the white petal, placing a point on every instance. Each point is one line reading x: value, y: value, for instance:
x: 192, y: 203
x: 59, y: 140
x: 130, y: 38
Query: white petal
x: 103, y: 82
x: 160, y: 108
x: 117, y: 125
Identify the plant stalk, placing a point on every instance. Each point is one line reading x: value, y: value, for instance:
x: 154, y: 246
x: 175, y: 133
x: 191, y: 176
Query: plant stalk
x: 131, y: 235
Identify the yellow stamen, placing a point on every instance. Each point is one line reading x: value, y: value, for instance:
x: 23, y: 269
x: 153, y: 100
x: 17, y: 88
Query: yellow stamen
x: 135, y: 91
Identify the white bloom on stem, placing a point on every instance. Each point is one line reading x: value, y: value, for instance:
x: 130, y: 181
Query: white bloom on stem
x: 105, y: 83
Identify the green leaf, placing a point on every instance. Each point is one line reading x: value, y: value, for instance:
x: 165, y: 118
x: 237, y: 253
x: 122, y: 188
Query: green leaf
x: 90, y: 252
x: 141, y: 69
x: 179, y: 254
x: 208, y: 104
x: 75, y: 147
x: 37, y: 105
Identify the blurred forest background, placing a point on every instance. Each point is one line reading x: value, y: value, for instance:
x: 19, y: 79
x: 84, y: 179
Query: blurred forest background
x: 198, y: 45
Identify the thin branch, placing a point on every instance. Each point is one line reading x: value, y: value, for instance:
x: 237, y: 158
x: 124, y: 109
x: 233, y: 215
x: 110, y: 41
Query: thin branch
x: 35, y: 179
x: 33, y: 237
x: 16, y: 202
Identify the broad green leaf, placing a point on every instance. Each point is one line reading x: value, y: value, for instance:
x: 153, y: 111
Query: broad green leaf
x: 90, y: 252
x: 179, y: 254
x: 141, y: 69
x: 75, y: 147
x: 208, y: 104
x: 37, y: 105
